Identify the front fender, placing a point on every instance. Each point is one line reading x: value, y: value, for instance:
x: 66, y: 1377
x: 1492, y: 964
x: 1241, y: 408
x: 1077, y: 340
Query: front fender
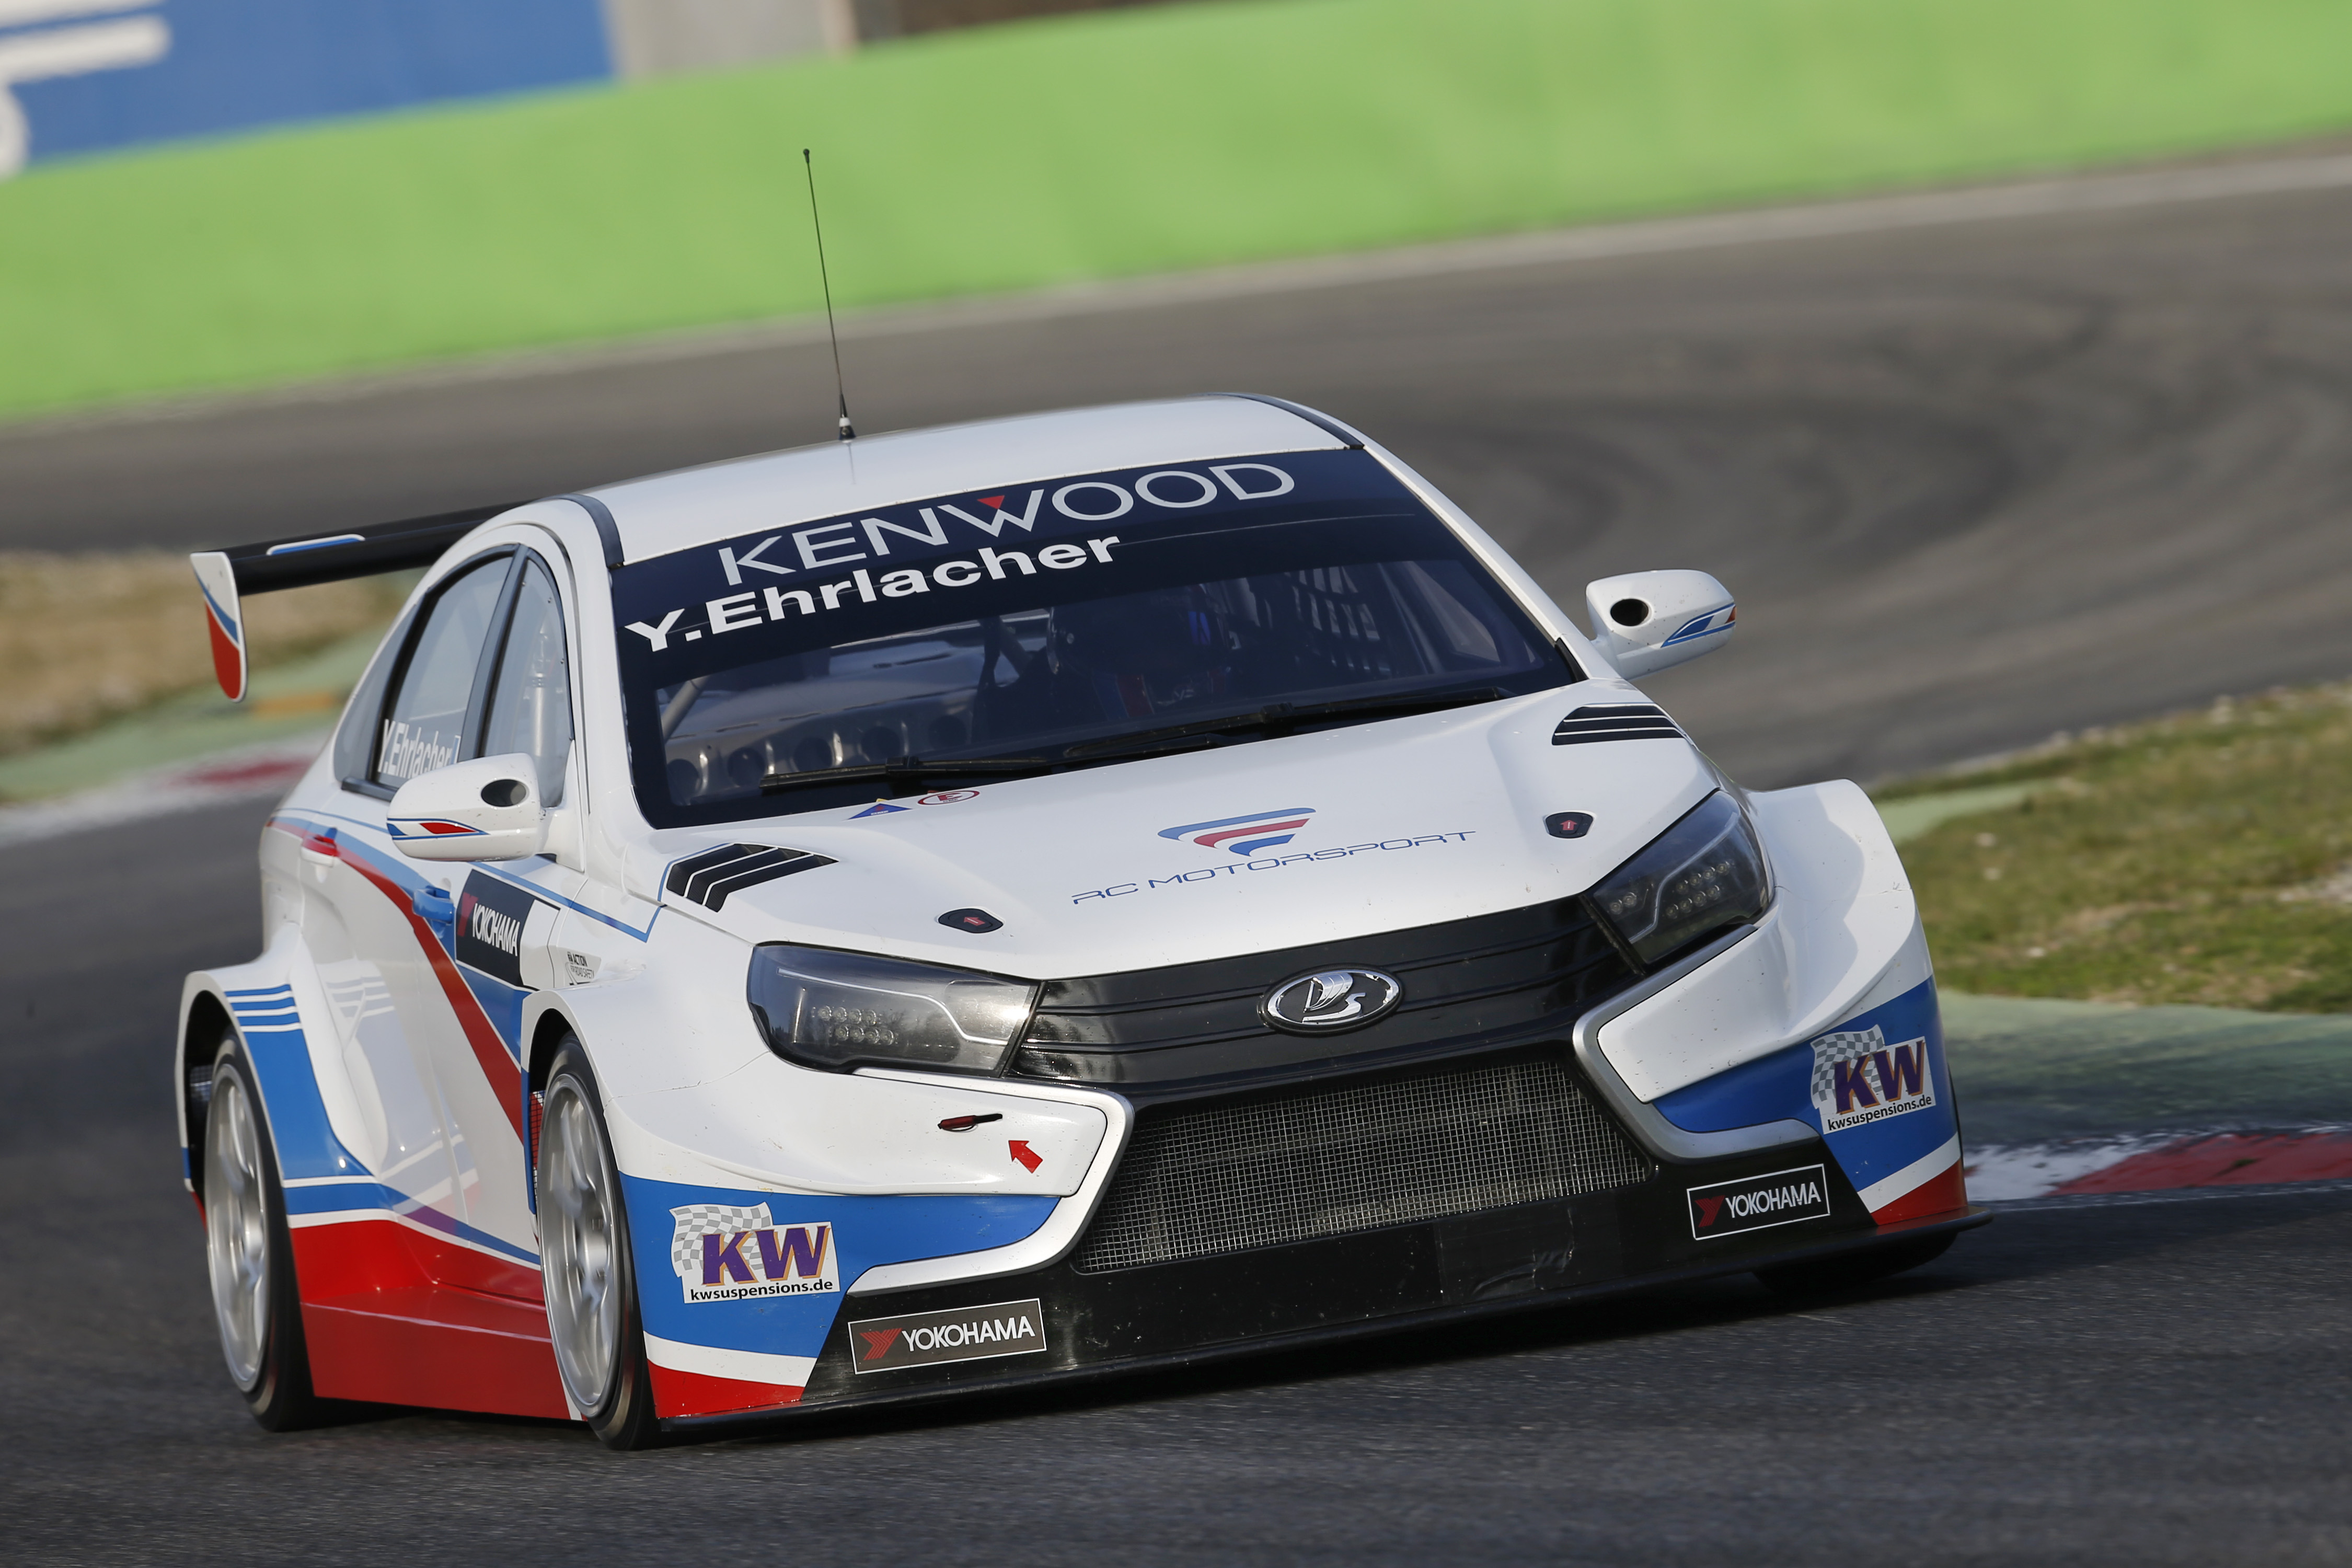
x: 1819, y: 1023
x: 1842, y: 936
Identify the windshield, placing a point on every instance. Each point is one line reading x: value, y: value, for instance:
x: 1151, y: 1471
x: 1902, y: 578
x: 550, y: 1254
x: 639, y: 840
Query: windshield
x: 1048, y: 624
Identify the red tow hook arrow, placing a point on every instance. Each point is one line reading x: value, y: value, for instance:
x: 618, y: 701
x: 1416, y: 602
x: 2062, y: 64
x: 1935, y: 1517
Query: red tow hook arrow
x: 1030, y: 1159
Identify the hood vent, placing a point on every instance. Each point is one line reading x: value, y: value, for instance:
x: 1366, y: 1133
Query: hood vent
x: 1621, y: 722
x: 706, y: 878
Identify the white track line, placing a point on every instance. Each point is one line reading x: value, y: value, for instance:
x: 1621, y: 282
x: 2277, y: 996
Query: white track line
x: 2008, y: 1175
x: 2014, y: 1172
x: 248, y: 773
x: 2065, y: 196
x: 2168, y: 1195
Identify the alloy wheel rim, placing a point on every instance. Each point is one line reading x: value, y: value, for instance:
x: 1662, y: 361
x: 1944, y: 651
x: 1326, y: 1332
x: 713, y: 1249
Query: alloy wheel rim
x: 237, y: 1227
x: 578, y: 1252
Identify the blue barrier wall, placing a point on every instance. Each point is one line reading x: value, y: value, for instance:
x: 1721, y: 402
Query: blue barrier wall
x: 90, y: 74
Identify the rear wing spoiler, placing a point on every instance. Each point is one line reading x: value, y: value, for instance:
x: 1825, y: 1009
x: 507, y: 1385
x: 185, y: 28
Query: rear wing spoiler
x: 225, y: 576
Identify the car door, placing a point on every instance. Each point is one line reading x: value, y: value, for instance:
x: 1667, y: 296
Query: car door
x: 505, y: 913
x: 339, y: 839
x: 381, y: 929
x: 500, y: 914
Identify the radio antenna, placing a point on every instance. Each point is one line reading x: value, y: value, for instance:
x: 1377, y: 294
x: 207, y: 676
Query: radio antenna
x: 840, y: 389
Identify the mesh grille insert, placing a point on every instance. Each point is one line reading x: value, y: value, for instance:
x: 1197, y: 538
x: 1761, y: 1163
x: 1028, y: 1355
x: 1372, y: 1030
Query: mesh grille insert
x: 1200, y: 1183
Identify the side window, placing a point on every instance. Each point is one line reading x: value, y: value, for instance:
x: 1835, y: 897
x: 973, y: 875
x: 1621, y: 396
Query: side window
x: 355, y: 740
x: 531, y: 696
x: 425, y: 728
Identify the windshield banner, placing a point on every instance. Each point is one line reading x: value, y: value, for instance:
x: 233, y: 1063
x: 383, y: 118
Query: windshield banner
x: 860, y: 575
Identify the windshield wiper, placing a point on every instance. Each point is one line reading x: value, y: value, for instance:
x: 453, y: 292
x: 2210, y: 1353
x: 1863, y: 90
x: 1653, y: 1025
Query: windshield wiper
x: 914, y: 770
x: 1283, y: 715
x: 1176, y: 738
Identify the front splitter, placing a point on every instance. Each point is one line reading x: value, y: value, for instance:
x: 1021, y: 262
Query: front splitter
x: 1454, y: 1269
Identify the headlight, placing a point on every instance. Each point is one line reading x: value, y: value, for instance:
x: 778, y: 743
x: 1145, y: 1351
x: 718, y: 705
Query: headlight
x: 839, y: 1010
x: 1703, y: 873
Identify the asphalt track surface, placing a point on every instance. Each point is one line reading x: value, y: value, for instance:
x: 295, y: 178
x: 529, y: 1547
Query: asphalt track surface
x: 2148, y: 1384
x: 1973, y: 484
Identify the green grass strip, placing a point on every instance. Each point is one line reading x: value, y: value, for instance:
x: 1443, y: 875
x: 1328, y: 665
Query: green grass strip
x: 301, y: 697
x: 1135, y: 142
x: 1913, y: 816
x: 2205, y: 857
x: 2029, y: 1070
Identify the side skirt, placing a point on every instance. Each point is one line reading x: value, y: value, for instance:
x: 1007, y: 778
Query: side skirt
x: 394, y: 1316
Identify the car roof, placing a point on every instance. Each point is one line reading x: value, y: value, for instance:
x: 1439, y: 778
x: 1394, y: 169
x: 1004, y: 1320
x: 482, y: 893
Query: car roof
x: 667, y: 512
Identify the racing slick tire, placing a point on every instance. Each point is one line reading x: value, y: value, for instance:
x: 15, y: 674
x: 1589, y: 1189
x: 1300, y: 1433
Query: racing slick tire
x: 587, y: 1268
x: 1850, y: 1271
x: 249, y: 1253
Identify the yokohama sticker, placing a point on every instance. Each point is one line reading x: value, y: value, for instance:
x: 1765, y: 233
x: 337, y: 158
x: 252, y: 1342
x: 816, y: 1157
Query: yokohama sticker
x: 491, y: 919
x: 969, y: 1333
x: 725, y: 1254
x: 1759, y: 1203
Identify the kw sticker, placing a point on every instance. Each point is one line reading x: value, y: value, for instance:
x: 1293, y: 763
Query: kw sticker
x: 723, y: 1253
x: 1859, y: 1079
x: 926, y: 1339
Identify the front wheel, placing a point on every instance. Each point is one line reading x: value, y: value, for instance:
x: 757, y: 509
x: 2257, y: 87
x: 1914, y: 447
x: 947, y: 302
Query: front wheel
x: 585, y: 1262
x: 249, y: 1253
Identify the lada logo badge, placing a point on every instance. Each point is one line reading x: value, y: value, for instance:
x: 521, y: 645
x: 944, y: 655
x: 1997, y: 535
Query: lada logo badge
x: 1331, y: 1000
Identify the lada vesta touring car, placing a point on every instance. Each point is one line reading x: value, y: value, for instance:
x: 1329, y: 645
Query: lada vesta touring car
x: 1016, y: 901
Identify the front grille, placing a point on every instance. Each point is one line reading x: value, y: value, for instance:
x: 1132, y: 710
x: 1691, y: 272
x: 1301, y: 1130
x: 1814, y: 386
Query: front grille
x: 1265, y: 1173
x: 1514, y: 972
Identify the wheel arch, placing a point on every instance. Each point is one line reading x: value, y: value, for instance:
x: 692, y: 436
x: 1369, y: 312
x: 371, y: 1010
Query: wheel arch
x: 203, y: 1018
x: 543, y: 1036
x: 547, y: 1033
x: 273, y: 1007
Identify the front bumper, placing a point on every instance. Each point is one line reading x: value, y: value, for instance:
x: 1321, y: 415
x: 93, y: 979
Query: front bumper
x: 1454, y: 1269
x: 1684, y: 1144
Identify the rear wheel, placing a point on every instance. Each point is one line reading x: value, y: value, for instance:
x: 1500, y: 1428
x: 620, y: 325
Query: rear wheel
x: 1850, y: 1271
x: 249, y: 1253
x: 585, y: 1256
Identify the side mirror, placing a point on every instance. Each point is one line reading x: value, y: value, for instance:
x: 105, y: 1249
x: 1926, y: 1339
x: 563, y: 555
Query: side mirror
x: 1650, y: 621
x: 486, y: 809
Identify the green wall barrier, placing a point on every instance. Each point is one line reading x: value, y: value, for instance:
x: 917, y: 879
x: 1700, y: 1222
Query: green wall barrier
x: 1111, y: 144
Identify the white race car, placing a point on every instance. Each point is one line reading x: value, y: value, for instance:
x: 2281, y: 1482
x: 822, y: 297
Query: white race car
x: 1021, y: 900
